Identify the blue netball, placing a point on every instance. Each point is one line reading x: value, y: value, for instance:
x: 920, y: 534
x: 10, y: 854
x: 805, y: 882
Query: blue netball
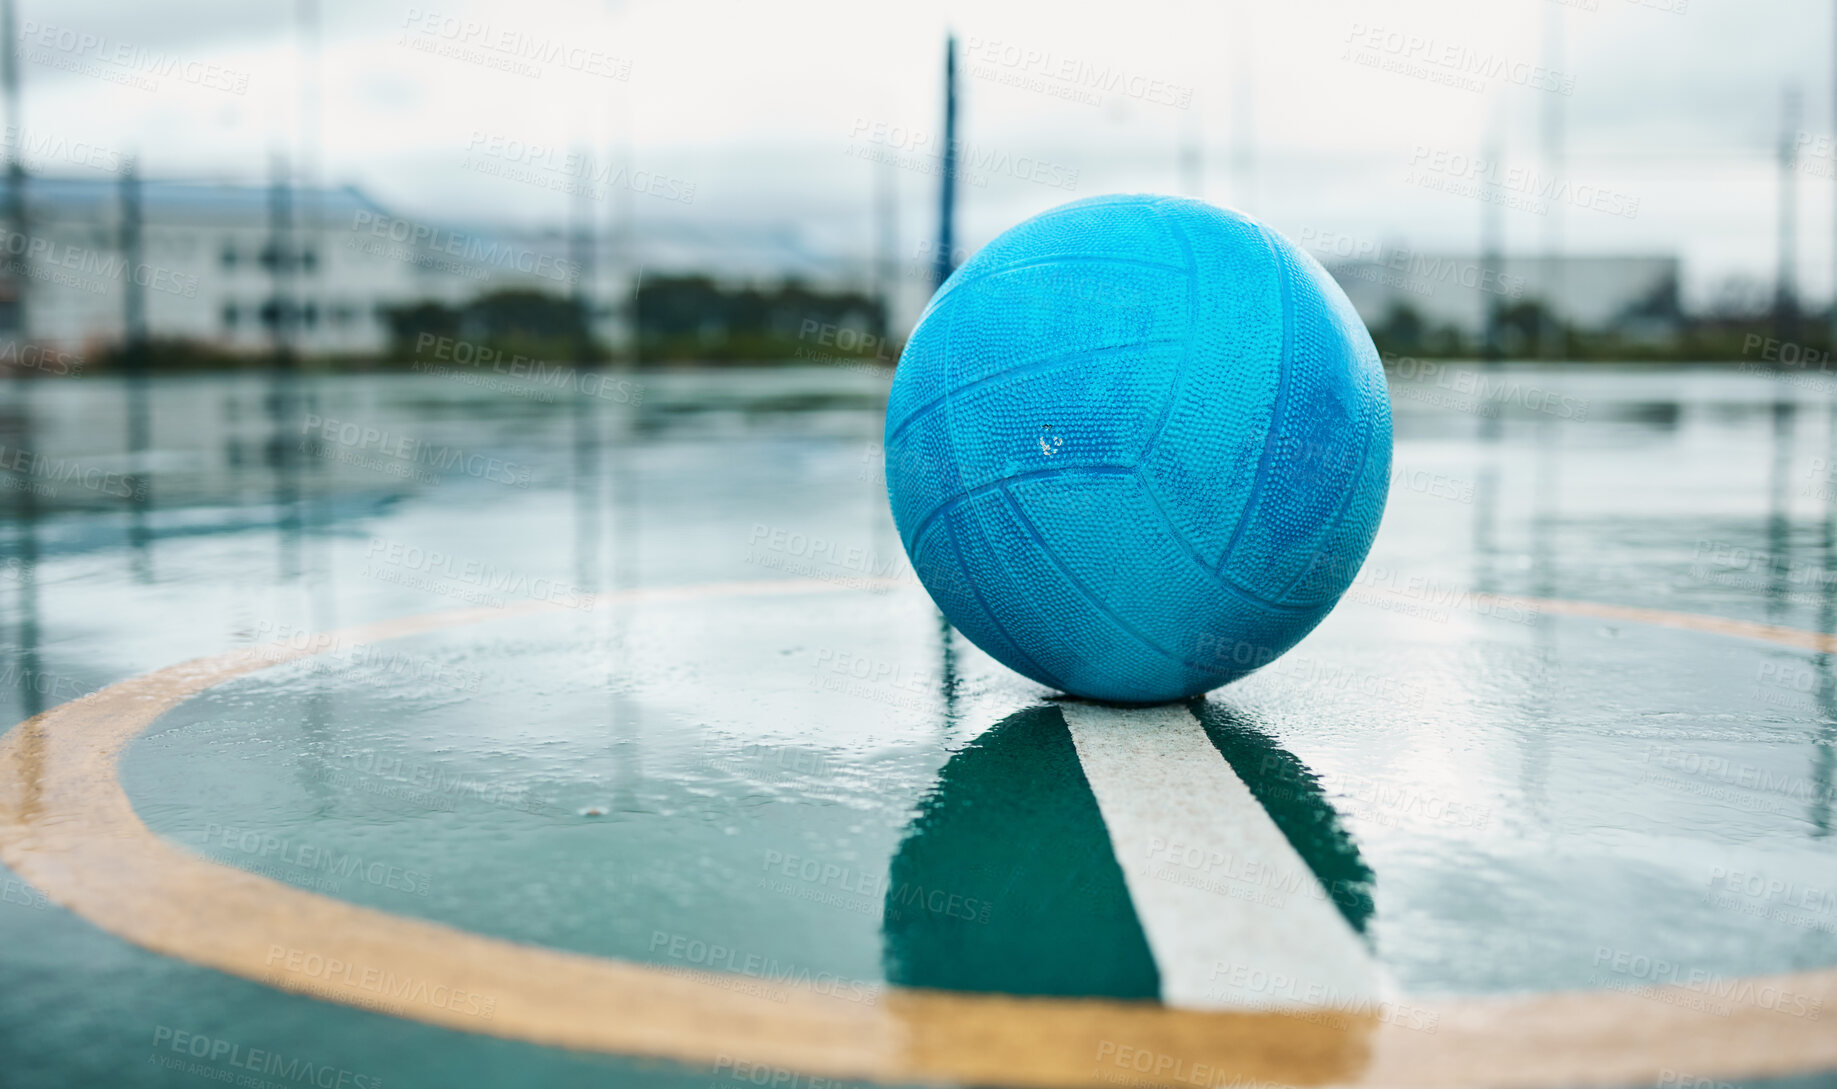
x: 1138, y: 447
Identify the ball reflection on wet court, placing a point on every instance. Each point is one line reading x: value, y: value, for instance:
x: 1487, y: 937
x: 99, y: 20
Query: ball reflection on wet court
x: 567, y: 740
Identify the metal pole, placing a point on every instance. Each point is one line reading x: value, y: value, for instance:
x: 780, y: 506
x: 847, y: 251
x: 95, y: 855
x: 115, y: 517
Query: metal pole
x: 947, y: 188
x: 15, y: 171
x: 1490, y: 258
x: 280, y: 259
x: 581, y: 244
x: 1786, y: 295
x: 134, y: 291
x: 1550, y: 330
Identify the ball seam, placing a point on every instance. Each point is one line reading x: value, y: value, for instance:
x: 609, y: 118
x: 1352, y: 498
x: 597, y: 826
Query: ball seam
x: 1077, y: 584
x: 1276, y: 411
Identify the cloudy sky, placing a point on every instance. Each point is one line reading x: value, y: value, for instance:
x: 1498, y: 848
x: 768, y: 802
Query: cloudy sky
x: 1344, y: 124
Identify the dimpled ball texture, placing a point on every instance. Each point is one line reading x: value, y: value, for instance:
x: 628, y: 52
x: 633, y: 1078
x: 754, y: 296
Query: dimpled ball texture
x: 1138, y: 447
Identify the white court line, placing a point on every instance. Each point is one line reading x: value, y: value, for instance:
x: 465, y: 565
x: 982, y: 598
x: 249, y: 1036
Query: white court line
x: 1234, y: 917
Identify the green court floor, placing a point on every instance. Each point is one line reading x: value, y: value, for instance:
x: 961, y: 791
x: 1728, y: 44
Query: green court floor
x: 636, y: 748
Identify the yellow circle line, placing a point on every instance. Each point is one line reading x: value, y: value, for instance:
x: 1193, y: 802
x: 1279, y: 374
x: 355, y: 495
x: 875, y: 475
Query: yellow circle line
x: 68, y: 827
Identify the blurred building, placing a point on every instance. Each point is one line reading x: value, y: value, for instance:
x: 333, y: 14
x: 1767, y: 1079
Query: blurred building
x: 242, y: 267
x: 1636, y: 296
x: 221, y: 264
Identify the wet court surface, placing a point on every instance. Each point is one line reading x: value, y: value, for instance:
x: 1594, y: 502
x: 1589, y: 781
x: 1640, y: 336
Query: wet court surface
x: 647, y: 741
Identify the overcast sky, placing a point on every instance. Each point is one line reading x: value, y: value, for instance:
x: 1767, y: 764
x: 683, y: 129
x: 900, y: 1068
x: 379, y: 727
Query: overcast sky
x: 1344, y: 124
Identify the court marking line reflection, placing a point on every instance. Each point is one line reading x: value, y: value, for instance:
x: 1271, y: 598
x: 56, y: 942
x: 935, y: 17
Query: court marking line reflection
x: 68, y: 827
x: 1200, y: 854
